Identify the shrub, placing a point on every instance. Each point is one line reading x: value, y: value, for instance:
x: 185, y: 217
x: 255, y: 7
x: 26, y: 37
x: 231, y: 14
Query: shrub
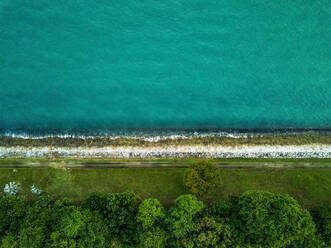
x: 35, y: 190
x: 202, y: 178
x: 11, y: 188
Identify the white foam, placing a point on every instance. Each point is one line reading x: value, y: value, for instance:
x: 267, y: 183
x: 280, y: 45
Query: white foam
x: 144, y: 137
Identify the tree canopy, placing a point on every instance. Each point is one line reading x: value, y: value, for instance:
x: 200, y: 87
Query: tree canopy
x: 255, y: 219
x: 274, y: 220
x: 202, y: 178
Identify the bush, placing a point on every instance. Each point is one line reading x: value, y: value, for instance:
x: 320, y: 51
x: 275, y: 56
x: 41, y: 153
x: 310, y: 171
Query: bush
x: 34, y: 190
x: 202, y: 178
x: 11, y: 188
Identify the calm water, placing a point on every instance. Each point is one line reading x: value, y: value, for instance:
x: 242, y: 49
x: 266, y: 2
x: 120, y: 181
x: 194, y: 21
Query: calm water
x: 164, y: 64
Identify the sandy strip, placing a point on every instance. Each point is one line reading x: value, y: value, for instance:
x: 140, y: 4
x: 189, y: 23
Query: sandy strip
x: 251, y: 151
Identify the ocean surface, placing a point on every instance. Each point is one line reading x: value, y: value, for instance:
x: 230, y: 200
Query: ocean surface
x: 158, y: 65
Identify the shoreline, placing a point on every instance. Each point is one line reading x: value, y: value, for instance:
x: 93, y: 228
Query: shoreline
x: 194, y: 151
x: 171, y: 139
x: 309, y: 144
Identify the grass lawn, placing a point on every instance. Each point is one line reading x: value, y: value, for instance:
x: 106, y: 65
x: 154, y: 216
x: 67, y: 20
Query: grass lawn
x: 309, y: 186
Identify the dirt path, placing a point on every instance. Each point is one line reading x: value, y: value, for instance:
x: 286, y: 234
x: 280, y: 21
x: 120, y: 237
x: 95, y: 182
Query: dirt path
x: 171, y: 164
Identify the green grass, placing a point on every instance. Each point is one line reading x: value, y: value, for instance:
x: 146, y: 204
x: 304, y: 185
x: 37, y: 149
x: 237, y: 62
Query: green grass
x: 309, y: 186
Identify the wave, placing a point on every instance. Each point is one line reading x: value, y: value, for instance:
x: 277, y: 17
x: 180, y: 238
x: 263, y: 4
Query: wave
x: 151, y: 134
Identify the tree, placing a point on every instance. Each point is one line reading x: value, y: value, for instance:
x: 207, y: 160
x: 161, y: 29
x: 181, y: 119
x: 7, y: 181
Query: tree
x: 151, y: 213
x: 181, y: 218
x: 274, y: 220
x: 68, y: 224
x: 12, y: 212
x: 202, y: 178
x: 94, y: 233
x: 96, y: 202
x: 76, y: 227
x: 121, y: 211
x: 152, y: 238
x: 208, y: 233
x: 254, y: 220
x: 9, y: 241
x: 226, y: 210
x: 322, y: 218
x: 150, y: 218
x: 35, y: 228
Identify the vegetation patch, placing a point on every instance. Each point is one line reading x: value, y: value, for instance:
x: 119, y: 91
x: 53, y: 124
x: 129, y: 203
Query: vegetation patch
x: 151, y: 207
x: 202, y: 178
x: 253, y: 219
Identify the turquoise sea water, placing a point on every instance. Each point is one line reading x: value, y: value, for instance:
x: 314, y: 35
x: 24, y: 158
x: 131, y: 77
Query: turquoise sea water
x: 164, y: 64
